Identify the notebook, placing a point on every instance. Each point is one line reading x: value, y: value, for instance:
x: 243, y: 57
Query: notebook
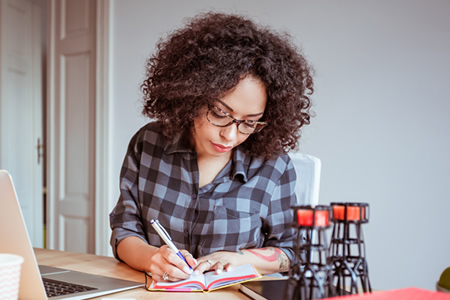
x: 15, y: 240
x: 208, y: 281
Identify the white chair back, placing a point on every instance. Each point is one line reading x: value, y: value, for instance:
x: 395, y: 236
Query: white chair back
x: 308, y: 169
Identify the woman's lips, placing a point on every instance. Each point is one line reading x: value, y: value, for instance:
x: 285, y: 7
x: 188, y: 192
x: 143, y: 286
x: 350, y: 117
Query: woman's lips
x: 221, y: 148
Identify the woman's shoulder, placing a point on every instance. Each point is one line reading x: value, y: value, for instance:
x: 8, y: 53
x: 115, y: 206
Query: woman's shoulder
x: 273, y: 167
x: 279, y: 161
x: 151, y: 129
x: 150, y: 133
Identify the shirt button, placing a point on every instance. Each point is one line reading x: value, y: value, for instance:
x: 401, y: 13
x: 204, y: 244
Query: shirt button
x: 186, y: 233
x: 194, y: 196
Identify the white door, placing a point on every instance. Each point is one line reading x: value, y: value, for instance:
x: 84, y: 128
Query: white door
x: 71, y: 126
x: 21, y: 108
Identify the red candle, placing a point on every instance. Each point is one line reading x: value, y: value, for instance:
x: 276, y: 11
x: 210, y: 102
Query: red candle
x: 353, y: 212
x: 305, y: 217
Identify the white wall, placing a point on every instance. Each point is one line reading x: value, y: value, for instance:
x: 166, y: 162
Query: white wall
x: 382, y: 102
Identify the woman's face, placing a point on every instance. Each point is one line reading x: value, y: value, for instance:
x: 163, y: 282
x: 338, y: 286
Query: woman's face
x: 247, y: 101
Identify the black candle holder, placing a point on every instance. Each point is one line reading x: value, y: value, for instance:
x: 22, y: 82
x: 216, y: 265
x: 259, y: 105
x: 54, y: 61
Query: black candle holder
x: 347, y: 248
x: 310, y: 274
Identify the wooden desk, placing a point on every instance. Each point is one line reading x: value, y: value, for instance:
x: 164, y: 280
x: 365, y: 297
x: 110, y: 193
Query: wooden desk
x: 109, y: 266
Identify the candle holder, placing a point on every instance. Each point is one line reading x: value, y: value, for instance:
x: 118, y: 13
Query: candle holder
x: 347, y: 248
x: 310, y: 274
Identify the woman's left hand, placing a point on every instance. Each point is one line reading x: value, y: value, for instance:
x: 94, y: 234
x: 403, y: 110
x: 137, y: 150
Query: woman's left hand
x: 217, y: 261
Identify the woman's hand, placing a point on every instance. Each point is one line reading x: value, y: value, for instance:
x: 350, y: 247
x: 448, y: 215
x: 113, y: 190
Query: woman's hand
x: 217, y: 261
x: 165, y: 265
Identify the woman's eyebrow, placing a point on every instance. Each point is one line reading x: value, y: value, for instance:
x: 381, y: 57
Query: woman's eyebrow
x: 230, y: 109
x: 224, y: 104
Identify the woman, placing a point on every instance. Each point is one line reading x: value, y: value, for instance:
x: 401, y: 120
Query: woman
x: 229, y: 98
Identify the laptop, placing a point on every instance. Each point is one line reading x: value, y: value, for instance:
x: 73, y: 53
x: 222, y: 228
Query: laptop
x: 15, y: 240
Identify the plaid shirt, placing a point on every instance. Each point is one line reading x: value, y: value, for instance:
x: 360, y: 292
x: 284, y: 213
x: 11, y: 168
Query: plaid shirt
x: 246, y: 206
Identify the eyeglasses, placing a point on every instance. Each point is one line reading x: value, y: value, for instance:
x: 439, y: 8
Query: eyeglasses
x: 221, y: 118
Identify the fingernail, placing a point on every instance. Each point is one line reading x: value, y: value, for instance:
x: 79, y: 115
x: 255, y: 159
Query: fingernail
x: 196, y: 272
x: 218, y: 271
x: 187, y: 270
x: 229, y: 269
x: 196, y: 262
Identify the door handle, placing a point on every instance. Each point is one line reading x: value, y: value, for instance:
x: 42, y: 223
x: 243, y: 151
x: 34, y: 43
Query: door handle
x: 40, y: 151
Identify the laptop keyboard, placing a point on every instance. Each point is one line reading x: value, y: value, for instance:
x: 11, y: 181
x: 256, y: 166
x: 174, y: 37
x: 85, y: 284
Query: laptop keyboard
x: 56, y: 288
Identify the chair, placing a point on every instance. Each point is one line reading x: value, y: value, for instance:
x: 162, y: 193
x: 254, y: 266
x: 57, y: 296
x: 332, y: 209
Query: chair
x: 308, y: 169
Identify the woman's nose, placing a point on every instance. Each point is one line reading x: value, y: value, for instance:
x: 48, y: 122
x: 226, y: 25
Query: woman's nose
x: 229, y: 132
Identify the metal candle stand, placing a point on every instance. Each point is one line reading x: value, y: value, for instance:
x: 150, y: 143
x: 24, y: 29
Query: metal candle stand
x: 347, y: 248
x: 310, y: 275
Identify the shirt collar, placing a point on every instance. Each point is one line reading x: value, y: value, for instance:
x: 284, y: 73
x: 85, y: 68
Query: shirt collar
x: 239, y: 158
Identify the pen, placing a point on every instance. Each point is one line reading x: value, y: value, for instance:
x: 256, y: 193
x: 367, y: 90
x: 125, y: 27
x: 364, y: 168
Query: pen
x: 167, y: 239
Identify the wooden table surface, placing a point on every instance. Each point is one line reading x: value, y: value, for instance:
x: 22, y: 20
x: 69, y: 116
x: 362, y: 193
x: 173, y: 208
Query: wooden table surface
x: 109, y: 266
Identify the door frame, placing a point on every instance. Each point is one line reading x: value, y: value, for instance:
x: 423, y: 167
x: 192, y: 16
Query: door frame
x: 102, y: 128
x: 103, y: 142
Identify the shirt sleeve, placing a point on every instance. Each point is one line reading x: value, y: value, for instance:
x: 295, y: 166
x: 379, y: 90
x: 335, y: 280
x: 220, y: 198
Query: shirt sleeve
x: 278, y: 224
x: 126, y: 219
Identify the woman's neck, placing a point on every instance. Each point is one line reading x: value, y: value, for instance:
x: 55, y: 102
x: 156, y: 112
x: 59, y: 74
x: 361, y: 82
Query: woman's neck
x: 210, y: 166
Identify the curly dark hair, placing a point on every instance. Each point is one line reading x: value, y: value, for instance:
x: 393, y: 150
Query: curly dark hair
x: 199, y: 63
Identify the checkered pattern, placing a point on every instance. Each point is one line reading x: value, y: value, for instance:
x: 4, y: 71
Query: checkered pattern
x: 246, y: 206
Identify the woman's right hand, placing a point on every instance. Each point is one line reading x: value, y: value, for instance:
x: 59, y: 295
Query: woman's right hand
x: 143, y: 257
x: 165, y: 265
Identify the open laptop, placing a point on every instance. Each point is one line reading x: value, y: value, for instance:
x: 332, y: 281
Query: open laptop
x: 15, y: 240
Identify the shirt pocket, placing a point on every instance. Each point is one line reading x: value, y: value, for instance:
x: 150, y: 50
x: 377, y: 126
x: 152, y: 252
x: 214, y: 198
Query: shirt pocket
x: 235, y: 230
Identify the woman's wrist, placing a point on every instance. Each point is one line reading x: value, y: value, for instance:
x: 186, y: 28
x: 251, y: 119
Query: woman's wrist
x: 136, y: 253
x: 267, y: 260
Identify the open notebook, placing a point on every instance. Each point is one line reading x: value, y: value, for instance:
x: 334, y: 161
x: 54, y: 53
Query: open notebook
x: 15, y: 240
x: 208, y: 281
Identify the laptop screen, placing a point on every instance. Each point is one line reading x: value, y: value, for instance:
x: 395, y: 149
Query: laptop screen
x: 15, y: 240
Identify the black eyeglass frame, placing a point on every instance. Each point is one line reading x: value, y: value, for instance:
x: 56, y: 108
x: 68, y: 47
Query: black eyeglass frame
x: 238, y: 122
